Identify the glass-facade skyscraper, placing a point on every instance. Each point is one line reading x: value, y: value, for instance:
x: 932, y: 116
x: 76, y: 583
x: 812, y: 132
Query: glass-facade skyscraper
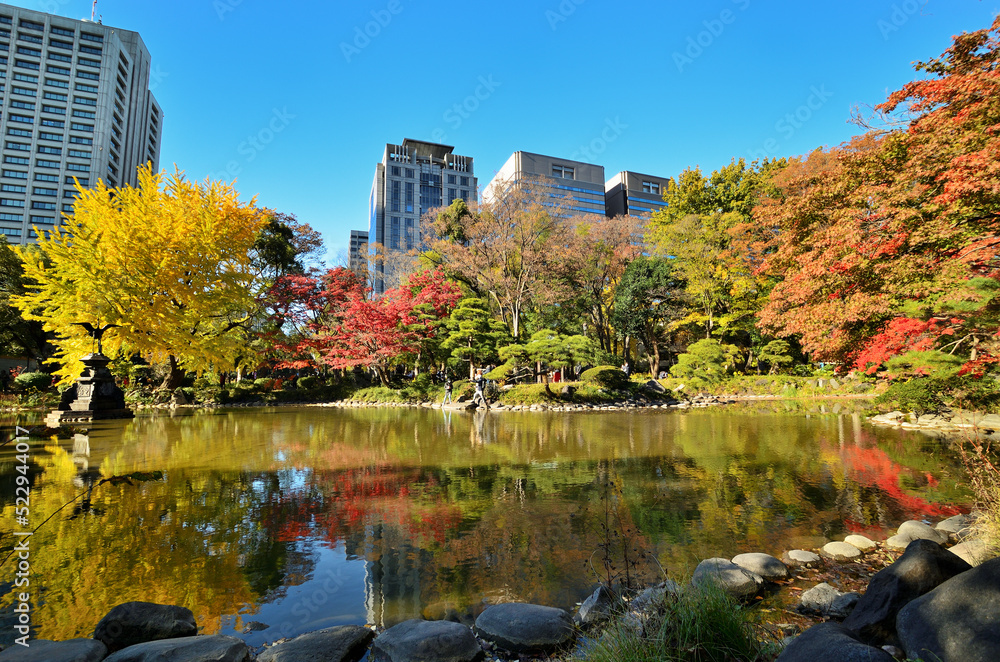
x: 76, y: 104
x: 412, y: 179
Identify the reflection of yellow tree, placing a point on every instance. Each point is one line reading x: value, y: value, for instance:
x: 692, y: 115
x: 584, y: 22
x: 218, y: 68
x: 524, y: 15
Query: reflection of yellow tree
x: 131, y: 545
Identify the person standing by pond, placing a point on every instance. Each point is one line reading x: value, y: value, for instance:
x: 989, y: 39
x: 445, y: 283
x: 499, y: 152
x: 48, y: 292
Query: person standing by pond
x: 447, y: 390
x: 479, y: 394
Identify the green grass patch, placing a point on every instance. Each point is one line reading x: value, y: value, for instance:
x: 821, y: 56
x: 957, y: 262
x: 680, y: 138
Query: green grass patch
x: 699, y: 624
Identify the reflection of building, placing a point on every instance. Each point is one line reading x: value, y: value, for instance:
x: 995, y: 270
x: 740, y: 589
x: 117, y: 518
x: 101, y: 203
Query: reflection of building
x: 635, y: 194
x: 77, y: 104
x: 583, y: 183
x: 393, y: 567
x: 412, y: 179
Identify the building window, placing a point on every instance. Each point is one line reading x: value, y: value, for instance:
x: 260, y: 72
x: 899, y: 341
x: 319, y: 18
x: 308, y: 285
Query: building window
x: 87, y: 75
x: 465, y: 181
x: 10, y: 202
x: 55, y: 96
x: 52, y: 82
x: 84, y: 113
x: 45, y: 149
x: 23, y: 105
x: 50, y: 136
x: 394, y: 200
x: 48, y: 192
x: 50, y: 206
x: 63, y: 31
x: 43, y: 220
x: 42, y: 177
x: 84, y: 181
x: 22, y: 147
x: 15, y: 174
x: 409, y: 173
x: 80, y: 154
x: 59, y: 57
x: 563, y: 172
x: 394, y: 171
x: 13, y: 188
x: 452, y: 180
x: 10, y: 232
x: 44, y: 163
x: 78, y: 140
x: 57, y: 124
x: 409, y: 197
x: 394, y: 233
x: 17, y: 160
x: 23, y: 91
x: 55, y: 110
x: 18, y: 132
x: 61, y: 44
x: 80, y: 167
x: 651, y: 187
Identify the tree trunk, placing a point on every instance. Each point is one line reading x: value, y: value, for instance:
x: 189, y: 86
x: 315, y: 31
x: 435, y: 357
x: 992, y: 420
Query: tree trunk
x: 175, y: 376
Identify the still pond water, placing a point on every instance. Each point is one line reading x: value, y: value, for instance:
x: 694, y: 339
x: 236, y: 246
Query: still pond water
x: 304, y: 518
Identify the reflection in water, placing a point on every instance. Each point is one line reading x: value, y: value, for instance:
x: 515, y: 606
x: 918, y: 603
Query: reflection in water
x: 306, y: 518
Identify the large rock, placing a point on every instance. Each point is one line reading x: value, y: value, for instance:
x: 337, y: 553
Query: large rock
x: 830, y: 642
x: 953, y: 524
x: 733, y: 579
x: 959, y: 621
x: 524, y: 628
x: 43, y: 650
x: 973, y: 551
x: 764, y: 565
x: 426, y: 641
x: 861, y: 542
x: 917, y: 530
x: 825, y: 600
x: 133, y: 623
x: 343, y: 643
x: 923, y: 566
x: 654, y: 386
x: 800, y: 557
x: 214, y: 648
x: 841, y: 551
x: 654, y: 597
x: 597, y: 607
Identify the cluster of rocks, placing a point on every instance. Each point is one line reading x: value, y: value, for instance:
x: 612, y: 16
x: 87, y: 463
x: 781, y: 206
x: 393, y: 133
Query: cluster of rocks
x: 931, y: 603
x: 148, y: 632
x: 946, y: 422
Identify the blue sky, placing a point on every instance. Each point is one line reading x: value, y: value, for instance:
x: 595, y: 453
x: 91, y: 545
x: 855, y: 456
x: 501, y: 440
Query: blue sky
x: 298, y: 99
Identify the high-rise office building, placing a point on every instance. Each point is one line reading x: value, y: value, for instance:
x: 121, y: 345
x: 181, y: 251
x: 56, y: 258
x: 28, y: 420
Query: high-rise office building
x: 574, y: 186
x: 357, y: 257
x: 75, y: 104
x: 412, y: 179
x: 636, y: 194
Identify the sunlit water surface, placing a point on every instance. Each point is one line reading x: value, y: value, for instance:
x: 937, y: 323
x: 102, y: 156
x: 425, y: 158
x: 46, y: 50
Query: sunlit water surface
x: 303, y: 518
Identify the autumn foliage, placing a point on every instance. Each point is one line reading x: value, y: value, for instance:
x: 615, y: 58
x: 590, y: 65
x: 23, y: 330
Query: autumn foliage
x: 888, y: 244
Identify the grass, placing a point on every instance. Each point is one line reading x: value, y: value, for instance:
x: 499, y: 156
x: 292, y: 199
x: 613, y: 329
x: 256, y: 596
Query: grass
x: 699, y: 624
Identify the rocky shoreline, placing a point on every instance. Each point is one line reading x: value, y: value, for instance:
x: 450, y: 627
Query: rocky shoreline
x: 903, y: 611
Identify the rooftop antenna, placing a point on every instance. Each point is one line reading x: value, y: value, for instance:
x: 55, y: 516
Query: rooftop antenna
x: 93, y: 11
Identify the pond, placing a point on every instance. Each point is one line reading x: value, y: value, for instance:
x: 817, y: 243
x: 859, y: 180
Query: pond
x: 303, y: 518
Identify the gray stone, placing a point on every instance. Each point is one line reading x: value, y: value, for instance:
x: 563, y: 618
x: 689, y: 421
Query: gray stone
x: 959, y: 621
x: 840, y: 551
x: 800, y: 557
x: 733, y: 579
x: 765, y: 565
x: 953, y: 524
x: 898, y: 542
x: 973, y: 551
x: 826, y: 600
x: 214, y: 648
x: 916, y: 530
x: 861, y: 542
x: 426, y: 641
x: 654, y: 386
x: 343, y: 643
x: 525, y: 628
x: 923, y: 566
x: 990, y: 422
x: 133, y: 623
x: 597, y: 607
x: 654, y: 596
x: 43, y: 650
x: 831, y: 642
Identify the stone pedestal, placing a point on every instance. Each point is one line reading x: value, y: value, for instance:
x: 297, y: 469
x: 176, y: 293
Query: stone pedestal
x: 95, y: 395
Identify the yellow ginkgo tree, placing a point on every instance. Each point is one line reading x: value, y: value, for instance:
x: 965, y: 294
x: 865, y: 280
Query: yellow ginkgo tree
x: 171, y: 262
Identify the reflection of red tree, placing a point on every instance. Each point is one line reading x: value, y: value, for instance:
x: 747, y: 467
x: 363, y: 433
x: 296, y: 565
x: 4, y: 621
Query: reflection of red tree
x: 335, y: 504
x: 871, y: 467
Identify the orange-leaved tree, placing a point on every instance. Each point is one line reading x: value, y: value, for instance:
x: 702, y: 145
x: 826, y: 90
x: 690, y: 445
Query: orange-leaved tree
x: 171, y: 262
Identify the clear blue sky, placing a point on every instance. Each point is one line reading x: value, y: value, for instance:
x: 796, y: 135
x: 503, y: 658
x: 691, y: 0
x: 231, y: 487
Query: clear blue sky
x: 628, y: 82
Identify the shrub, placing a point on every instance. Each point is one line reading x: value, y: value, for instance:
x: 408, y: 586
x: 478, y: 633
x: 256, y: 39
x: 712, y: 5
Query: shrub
x: 918, y: 395
x: 262, y: 384
x: 705, y: 363
x: 607, y: 376
x: 308, y: 382
x: 27, y: 382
